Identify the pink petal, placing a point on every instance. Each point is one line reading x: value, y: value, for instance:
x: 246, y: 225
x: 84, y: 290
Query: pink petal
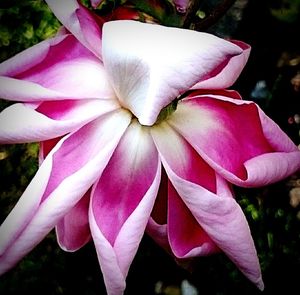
x: 236, y: 139
x: 148, y: 73
x: 95, y: 3
x: 73, y: 230
x: 122, y: 202
x: 26, y: 123
x: 229, y: 74
x: 209, y: 200
x: 81, y: 22
x: 63, y: 178
x: 181, y: 5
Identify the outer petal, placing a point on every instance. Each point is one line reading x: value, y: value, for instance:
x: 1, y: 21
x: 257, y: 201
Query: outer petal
x: 122, y: 202
x: 148, y: 73
x: 68, y: 171
x: 81, y: 22
x: 217, y: 213
x: 230, y: 72
x: 27, y: 78
x: 236, y: 139
x: 73, y: 230
x: 39, y: 122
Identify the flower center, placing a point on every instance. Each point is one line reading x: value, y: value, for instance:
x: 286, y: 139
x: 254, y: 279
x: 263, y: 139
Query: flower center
x: 167, y: 111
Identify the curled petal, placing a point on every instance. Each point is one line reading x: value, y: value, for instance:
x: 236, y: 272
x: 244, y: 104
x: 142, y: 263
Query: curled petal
x: 67, y: 171
x: 120, y: 209
x: 148, y: 75
x: 209, y: 200
x: 229, y: 74
x: 236, y: 139
x: 73, y: 230
x: 81, y: 22
x: 28, y: 123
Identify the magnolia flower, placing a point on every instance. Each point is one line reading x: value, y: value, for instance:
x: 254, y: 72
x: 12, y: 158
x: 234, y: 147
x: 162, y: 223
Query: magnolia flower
x: 136, y: 129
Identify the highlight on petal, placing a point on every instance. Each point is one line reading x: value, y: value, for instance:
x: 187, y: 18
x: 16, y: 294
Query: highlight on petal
x: 42, y: 121
x: 208, y: 198
x: 81, y: 22
x: 67, y: 171
x: 73, y: 230
x: 148, y: 75
x: 121, y: 204
x: 230, y: 136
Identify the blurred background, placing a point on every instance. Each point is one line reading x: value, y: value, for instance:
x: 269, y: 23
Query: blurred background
x: 271, y: 79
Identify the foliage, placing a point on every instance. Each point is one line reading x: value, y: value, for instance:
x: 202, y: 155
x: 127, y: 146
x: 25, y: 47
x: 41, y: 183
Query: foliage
x: 274, y: 223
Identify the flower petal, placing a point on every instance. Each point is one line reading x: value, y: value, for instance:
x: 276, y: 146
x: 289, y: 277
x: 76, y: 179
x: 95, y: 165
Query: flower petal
x: 187, y: 238
x: 44, y: 77
x: 236, y: 139
x: 229, y: 74
x: 122, y: 202
x: 67, y: 171
x: 73, y: 230
x: 147, y: 75
x: 81, y: 22
x: 28, y: 123
x: 209, y: 199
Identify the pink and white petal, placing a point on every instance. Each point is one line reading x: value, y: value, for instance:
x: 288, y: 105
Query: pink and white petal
x: 148, y: 75
x: 20, y: 90
x: 27, y: 78
x: 209, y: 200
x: 73, y: 230
x: 229, y: 74
x: 187, y: 238
x: 223, y: 220
x: 84, y: 72
x: 81, y: 22
x: 122, y: 202
x: 229, y: 135
x: 67, y: 171
x: 22, y: 123
x: 30, y: 57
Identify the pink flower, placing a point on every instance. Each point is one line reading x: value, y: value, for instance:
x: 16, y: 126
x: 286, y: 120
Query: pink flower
x: 123, y: 144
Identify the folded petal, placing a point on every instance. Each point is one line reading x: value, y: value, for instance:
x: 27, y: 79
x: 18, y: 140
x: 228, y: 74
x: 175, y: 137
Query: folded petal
x: 27, y: 78
x: 122, y: 202
x: 28, y: 122
x: 208, y: 198
x: 81, y: 22
x: 236, y: 139
x: 63, y: 178
x: 148, y: 75
x: 73, y: 230
x: 187, y: 237
x: 229, y: 74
